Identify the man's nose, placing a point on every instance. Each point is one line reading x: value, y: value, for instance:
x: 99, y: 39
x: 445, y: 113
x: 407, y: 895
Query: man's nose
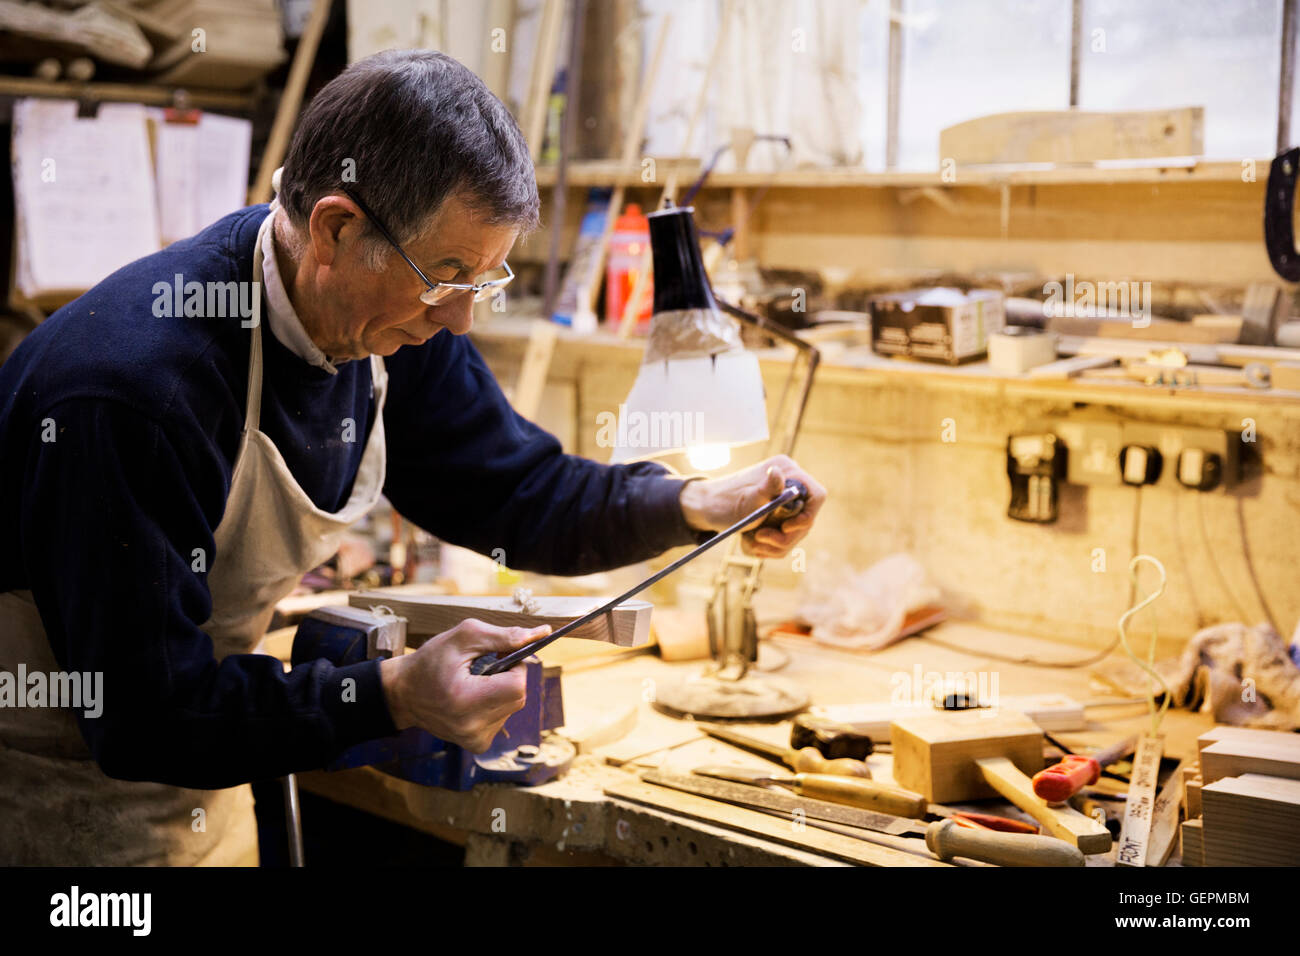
x: 456, y: 314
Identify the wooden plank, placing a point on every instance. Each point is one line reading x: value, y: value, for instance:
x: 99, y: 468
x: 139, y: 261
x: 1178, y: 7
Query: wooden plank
x: 627, y: 625
x: 1233, y: 756
x: 1192, y: 784
x: 533, y: 119
x: 754, y: 823
x: 1164, y: 820
x: 1252, y: 820
x: 527, y: 397
x: 286, y: 114
x: 1051, y: 712
x: 1192, y: 835
x: 1240, y: 734
x: 1075, y: 136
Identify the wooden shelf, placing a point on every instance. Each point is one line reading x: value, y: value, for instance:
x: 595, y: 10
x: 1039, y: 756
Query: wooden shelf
x: 848, y: 365
x: 148, y: 94
x: 606, y: 173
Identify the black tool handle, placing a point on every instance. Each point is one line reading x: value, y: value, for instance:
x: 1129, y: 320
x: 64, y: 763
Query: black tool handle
x: 781, y: 508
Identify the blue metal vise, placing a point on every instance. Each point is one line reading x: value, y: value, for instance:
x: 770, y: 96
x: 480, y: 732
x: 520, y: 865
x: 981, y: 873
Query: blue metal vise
x: 521, y: 753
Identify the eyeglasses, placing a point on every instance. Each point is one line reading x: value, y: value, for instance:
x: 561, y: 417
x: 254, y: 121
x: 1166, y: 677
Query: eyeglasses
x: 437, y: 292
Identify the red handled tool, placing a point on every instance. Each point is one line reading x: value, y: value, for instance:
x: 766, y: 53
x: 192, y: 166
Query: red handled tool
x: 1059, y: 782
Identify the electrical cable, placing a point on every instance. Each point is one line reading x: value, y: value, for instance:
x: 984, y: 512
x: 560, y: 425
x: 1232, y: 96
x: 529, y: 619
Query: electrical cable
x: 1214, y: 561
x: 1149, y: 666
x: 1250, y: 569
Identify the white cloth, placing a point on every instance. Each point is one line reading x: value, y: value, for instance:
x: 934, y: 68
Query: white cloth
x: 280, y: 314
x: 60, y: 807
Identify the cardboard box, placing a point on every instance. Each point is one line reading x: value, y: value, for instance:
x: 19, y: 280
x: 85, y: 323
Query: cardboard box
x: 938, y: 324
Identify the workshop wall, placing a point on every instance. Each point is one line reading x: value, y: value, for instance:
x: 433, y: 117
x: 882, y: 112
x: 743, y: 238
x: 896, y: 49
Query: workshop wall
x: 875, y: 437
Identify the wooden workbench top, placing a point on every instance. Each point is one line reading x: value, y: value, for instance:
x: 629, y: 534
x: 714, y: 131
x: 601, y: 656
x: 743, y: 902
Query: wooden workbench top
x: 571, y: 820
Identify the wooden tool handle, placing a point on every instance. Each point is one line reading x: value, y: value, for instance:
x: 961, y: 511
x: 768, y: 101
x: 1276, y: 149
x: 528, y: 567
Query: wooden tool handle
x: 866, y: 794
x: 810, y: 760
x: 1063, y: 822
x: 946, y: 839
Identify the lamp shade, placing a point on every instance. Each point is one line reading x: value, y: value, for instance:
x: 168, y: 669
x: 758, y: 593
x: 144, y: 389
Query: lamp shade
x: 697, y: 385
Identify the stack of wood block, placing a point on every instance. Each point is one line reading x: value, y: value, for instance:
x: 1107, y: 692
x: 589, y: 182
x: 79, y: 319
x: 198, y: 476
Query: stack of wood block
x: 1243, y: 799
x: 225, y: 44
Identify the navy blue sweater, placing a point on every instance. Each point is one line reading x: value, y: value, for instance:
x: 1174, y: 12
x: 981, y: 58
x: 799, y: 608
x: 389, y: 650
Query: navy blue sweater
x: 146, y: 412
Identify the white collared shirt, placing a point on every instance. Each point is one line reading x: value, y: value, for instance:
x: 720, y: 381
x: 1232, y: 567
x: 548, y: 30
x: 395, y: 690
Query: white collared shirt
x: 284, y: 321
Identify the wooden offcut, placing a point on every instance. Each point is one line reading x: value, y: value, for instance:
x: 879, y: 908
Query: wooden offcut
x: 1252, y: 820
x: 1193, y: 842
x: 627, y: 625
x: 1272, y: 752
x: 935, y: 754
x: 956, y: 756
x: 1075, y: 136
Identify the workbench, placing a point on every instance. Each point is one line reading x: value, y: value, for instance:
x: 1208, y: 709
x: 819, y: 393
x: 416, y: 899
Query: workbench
x: 571, y: 821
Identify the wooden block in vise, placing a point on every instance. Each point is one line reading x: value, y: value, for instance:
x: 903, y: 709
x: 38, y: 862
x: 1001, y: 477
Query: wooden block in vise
x: 966, y: 755
x: 627, y: 625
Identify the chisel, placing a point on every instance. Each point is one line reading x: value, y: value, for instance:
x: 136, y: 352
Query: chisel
x: 848, y: 791
x: 781, y: 508
x: 944, y: 838
x: 803, y: 760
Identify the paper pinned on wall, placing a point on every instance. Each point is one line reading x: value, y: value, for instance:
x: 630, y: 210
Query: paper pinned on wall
x: 202, y: 171
x: 83, y: 192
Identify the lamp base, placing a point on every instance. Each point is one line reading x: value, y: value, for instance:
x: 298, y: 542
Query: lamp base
x: 706, y: 695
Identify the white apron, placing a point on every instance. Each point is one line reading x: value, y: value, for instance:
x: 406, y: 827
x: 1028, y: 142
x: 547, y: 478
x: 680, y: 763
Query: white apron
x: 56, y: 805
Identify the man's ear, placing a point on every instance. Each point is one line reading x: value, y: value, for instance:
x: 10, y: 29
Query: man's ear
x: 335, y: 221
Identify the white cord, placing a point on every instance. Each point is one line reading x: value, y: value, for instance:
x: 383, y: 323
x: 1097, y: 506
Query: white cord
x: 1151, y: 655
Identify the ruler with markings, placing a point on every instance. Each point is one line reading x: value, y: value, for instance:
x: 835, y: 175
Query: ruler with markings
x: 1141, y: 805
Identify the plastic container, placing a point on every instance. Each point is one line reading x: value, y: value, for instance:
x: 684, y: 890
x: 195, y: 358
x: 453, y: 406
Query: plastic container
x: 627, y: 248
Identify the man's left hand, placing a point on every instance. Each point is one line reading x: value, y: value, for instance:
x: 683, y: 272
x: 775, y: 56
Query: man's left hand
x: 718, y: 503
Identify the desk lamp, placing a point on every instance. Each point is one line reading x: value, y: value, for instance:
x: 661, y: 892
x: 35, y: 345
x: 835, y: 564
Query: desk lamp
x: 700, y: 392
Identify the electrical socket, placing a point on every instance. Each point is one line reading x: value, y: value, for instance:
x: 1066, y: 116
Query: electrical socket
x: 1095, y: 445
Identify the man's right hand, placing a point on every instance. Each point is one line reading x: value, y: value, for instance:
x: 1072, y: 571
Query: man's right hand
x: 434, y: 690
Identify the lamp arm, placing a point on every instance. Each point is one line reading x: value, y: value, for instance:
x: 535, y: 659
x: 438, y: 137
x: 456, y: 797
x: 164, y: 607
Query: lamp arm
x: 786, y: 431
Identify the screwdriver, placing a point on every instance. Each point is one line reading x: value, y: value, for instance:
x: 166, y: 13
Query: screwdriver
x: 781, y: 508
x: 803, y: 759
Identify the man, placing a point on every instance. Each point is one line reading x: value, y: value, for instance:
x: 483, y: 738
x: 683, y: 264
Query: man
x: 170, y: 473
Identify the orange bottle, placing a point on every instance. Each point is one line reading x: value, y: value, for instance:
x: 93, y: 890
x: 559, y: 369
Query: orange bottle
x: 627, y: 247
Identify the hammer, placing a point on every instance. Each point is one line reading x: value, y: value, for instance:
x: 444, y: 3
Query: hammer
x: 955, y: 756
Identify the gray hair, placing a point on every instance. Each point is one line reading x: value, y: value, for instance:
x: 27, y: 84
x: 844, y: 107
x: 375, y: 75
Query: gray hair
x: 407, y: 130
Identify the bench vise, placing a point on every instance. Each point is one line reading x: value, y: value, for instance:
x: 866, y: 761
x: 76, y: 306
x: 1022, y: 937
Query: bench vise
x: 524, y: 752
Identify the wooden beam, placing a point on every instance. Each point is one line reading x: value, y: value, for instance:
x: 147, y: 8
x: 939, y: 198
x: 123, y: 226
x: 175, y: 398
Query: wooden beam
x: 894, y: 91
x: 1075, y: 136
x: 533, y: 120
x: 286, y: 114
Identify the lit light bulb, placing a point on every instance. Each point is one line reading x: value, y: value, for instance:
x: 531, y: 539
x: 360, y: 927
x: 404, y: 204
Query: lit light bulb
x: 708, y: 457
